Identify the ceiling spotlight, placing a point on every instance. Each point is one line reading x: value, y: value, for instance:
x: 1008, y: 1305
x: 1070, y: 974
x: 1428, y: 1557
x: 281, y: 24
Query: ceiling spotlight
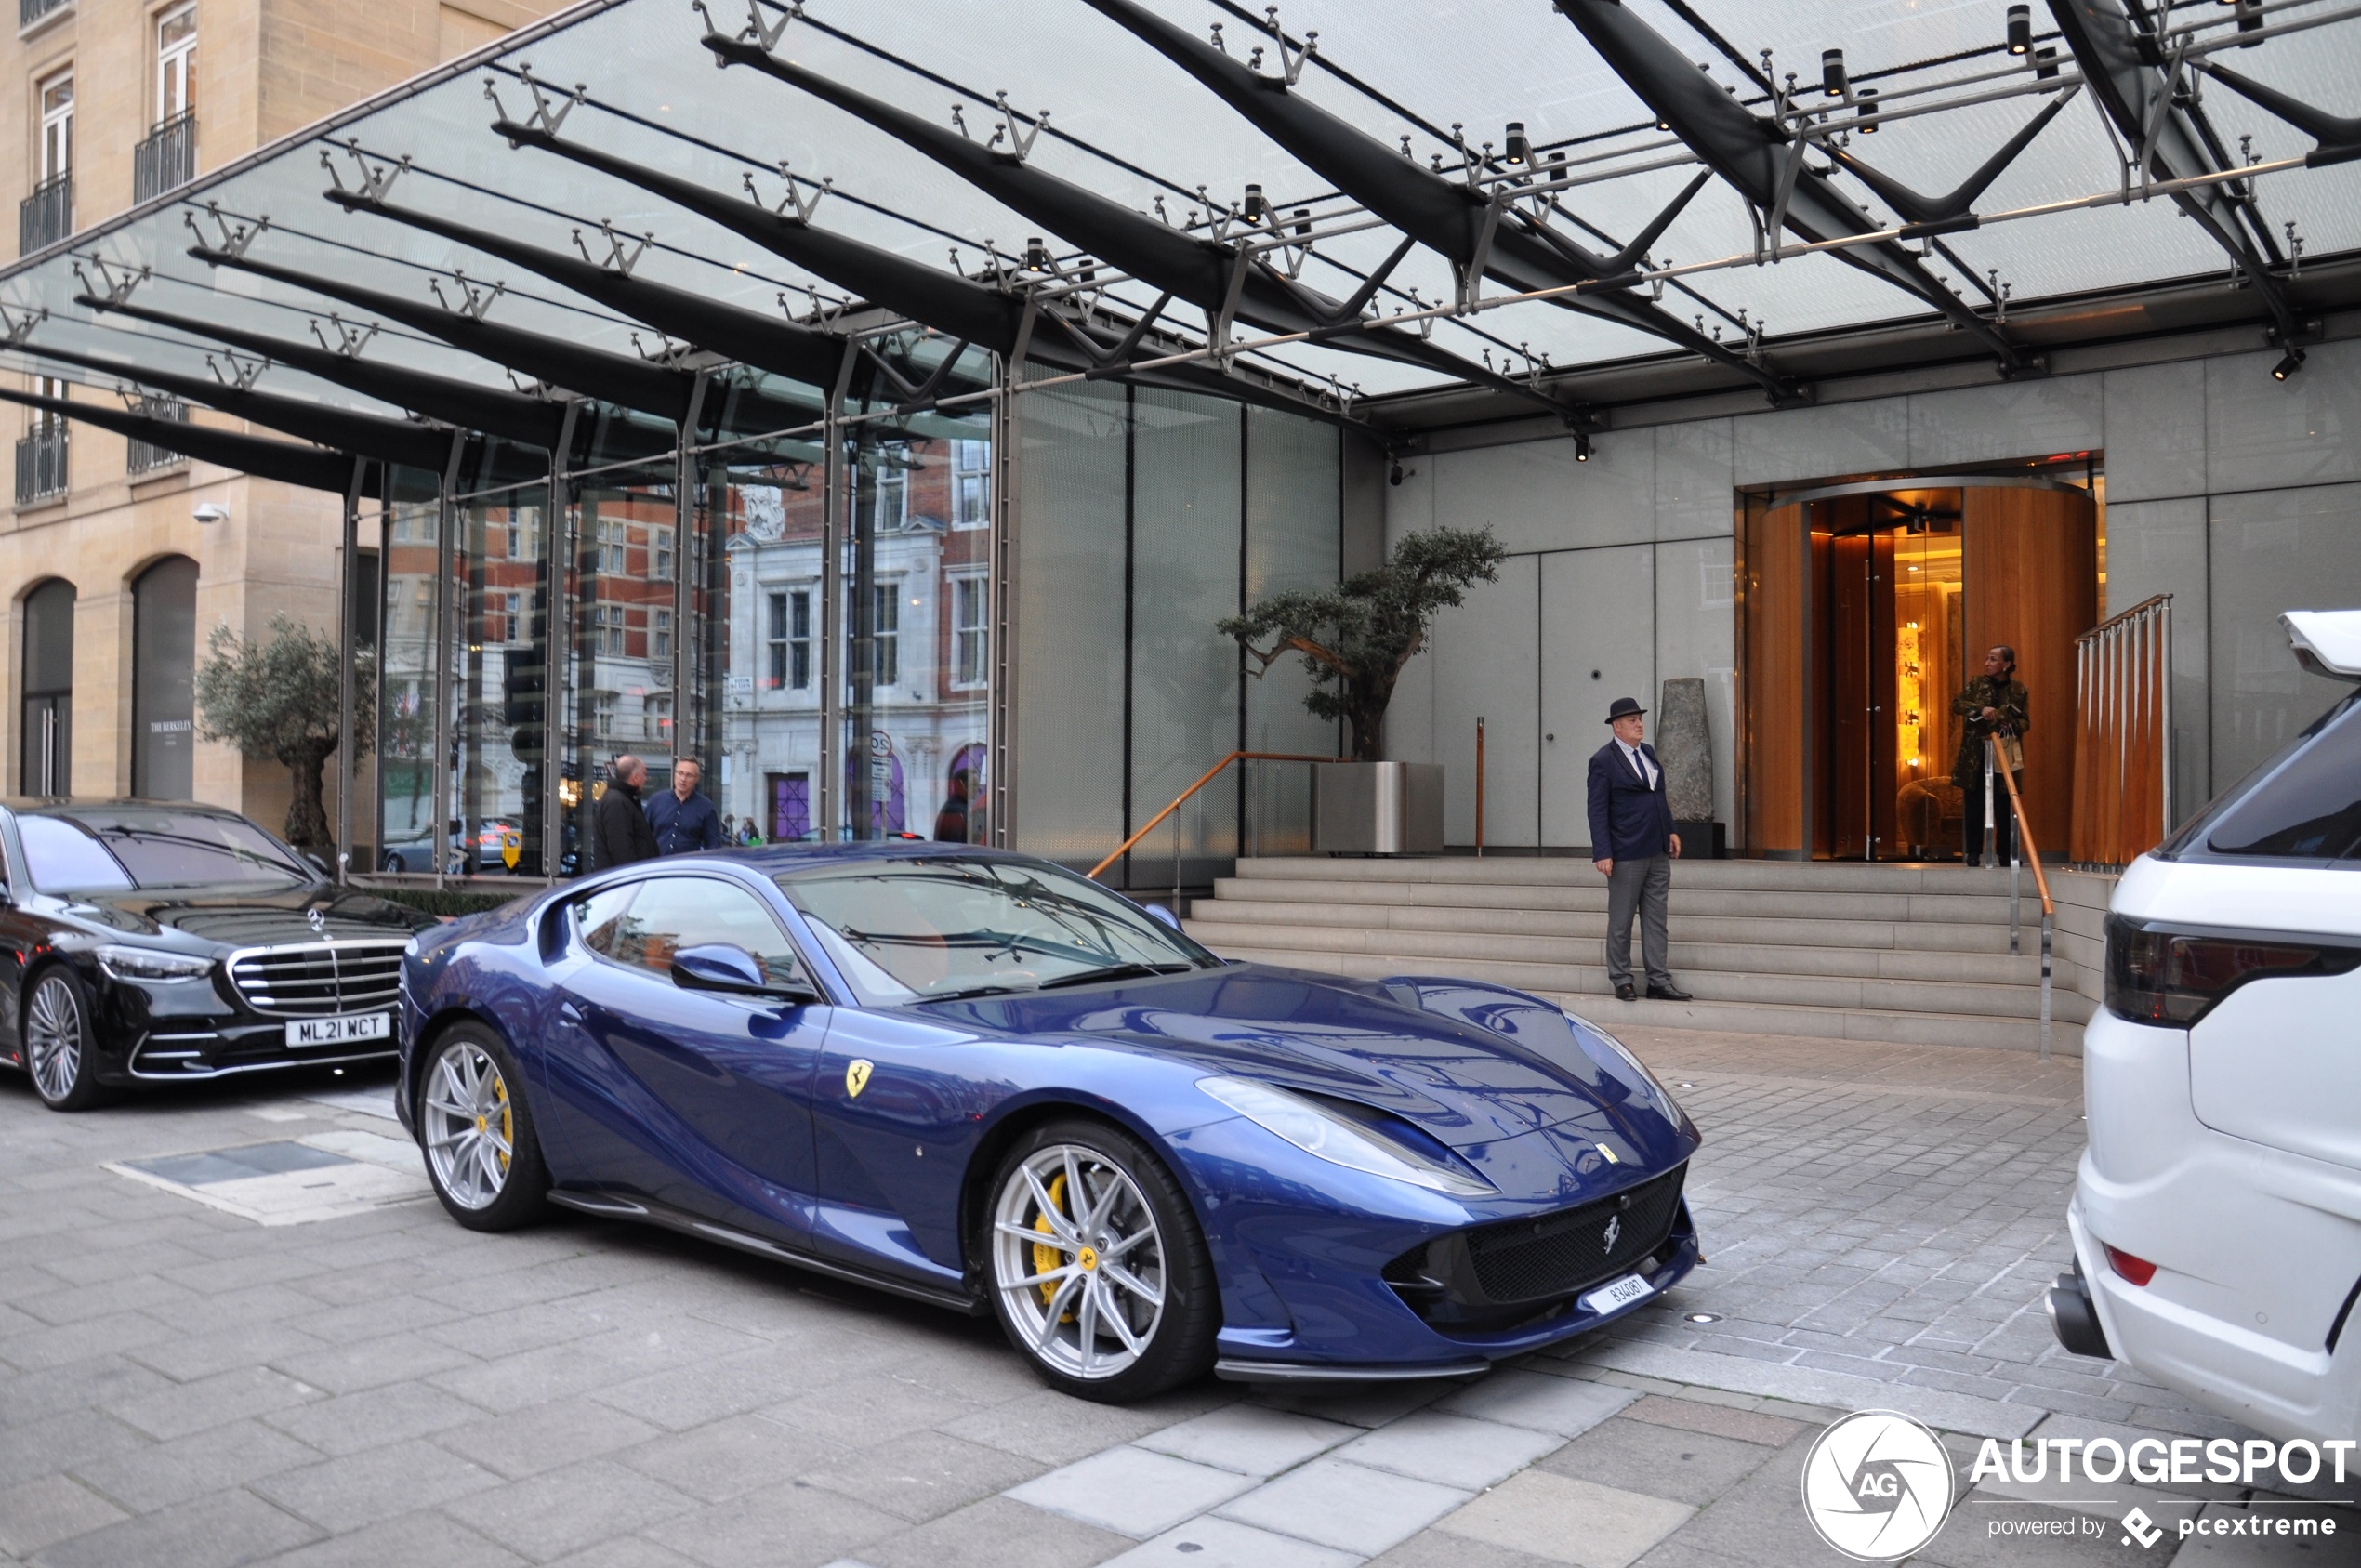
x: 2020, y: 29
x: 1394, y: 474
x: 1520, y: 150
x: 2289, y: 364
x: 1832, y: 73
x: 2045, y: 62
x: 1663, y: 124
x: 1866, y: 112
x: 1036, y: 254
x: 1258, y: 207
x: 1581, y: 446
x: 1302, y: 221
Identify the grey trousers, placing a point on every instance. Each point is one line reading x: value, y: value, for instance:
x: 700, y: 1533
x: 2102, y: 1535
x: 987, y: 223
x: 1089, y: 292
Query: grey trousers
x: 1644, y: 884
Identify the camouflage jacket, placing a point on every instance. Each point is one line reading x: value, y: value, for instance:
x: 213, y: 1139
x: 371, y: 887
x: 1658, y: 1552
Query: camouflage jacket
x: 1985, y: 692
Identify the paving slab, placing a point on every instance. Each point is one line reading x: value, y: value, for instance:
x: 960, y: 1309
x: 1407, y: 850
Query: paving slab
x: 1564, y: 1405
x: 1131, y: 1491
x: 1450, y: 1450
x: 1250, y: 1438
x: 1211, y: 1542
x: 1350, y: 1507
x: 1564, y: 1519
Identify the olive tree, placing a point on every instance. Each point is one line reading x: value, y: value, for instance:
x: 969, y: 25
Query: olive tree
x: 1357, y: 636
x: 279, y: 700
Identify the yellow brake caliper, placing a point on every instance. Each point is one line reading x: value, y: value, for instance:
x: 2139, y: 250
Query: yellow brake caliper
x: 507, y: 1119
x: 1047, y: 1257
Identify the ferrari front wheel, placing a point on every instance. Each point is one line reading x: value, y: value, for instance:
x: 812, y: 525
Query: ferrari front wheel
x: 1100, y: 1273
x: 482, y: 1151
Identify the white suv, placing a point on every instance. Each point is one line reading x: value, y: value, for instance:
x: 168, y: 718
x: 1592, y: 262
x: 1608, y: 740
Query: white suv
x: 2217, y: 1218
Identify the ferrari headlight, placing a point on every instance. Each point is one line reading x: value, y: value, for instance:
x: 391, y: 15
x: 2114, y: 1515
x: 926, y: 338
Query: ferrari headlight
x: 1670, y: 1106
x: 140, y: 963
x: 1325, y: 1134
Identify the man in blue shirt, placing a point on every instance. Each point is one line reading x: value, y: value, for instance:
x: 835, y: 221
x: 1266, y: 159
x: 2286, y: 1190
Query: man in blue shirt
x: 683, y: 820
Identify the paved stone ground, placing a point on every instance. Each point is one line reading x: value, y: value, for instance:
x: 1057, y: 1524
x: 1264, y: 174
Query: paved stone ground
x: 183, y: 1387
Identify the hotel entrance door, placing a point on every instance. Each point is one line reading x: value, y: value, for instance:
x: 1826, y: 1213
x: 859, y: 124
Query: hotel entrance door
x: 1868, y: 608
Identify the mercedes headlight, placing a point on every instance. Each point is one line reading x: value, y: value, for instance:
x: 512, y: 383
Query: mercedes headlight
x: 141, y: 963
x: 1655, y: 1085
x: 1328, y: 1136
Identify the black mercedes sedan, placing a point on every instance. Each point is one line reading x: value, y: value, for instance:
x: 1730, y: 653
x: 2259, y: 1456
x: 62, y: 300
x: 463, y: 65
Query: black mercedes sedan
x: 151, y: 941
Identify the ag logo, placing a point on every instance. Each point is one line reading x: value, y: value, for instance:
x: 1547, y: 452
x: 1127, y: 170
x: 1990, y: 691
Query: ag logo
x: 1877, y: 1486
x: 856, y: 1077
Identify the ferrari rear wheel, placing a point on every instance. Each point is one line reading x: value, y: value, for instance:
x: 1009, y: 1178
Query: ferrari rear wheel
x: 1099, y: 1272
x: 483, y: 1153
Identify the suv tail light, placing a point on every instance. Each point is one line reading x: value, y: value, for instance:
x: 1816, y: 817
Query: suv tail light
x: 2139, y: 1271
x: 2176, y: 978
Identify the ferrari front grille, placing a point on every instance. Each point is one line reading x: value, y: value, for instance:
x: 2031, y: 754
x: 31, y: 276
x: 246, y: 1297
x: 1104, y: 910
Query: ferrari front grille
x: 1527, y: 1259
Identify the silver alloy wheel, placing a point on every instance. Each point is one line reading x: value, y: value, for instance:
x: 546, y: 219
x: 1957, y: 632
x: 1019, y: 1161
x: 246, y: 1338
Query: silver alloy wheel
x: 54, y: 1036
x: 1079, y: 1261
x: 470, y: 1124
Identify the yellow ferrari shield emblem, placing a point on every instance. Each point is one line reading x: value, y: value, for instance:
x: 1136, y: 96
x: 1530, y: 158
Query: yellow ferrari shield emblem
x: 856, y: 1077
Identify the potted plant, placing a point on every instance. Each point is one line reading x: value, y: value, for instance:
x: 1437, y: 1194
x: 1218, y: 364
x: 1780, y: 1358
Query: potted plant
x: 279, y: 700
x: 1355, y: 639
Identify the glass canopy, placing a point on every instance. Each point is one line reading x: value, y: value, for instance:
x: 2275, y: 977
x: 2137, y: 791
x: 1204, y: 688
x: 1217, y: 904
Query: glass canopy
x: 1126, y: 125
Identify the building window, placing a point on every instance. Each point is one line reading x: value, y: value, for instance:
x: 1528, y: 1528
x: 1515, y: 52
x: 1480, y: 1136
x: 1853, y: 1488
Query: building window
x: 889, y: 496
x: 602, y: 706
x: 970, y: 483
x: 790, y: 639
x: 139, y: 457
x: 885, y: 633
x: 606, y: 630
x: 611, y: 539
x: 47, y: 216
x: 660, y: 638
x: 656, y: 718
x: 176, y: 63
x: 49, y: 688
x: 57, y: 127
x: 507, y: 618
x: 660, y: 542
x: 971, y: 603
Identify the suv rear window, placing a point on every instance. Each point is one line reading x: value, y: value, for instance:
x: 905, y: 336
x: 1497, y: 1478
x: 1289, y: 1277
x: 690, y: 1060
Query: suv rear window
x: 2304, y: 804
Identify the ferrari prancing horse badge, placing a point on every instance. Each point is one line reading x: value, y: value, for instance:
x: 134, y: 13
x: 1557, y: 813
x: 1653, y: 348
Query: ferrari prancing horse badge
x: 856, y: 1077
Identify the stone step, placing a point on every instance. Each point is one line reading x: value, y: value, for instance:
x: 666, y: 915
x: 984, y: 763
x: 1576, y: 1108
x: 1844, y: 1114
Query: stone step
x: 1769, y: 903
x: 1932, y: 936
x: 1210, y: 924
x: 1558, y: 870
x: 1838, y: 1021
x: 1740, y: 988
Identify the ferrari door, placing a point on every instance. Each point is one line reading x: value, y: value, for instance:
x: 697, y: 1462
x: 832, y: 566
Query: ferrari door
x: 699, y: 1100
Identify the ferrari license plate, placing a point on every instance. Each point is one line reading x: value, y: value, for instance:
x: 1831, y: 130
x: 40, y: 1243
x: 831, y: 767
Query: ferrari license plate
x: 1622, y: 1293
x: 339, y: 1031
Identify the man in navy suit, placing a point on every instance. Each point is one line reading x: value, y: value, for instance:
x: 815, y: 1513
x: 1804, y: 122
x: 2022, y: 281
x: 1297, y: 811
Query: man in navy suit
x: 1633, y: 846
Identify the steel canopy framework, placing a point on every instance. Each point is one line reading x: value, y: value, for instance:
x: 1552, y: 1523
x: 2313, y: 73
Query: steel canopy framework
x: 656, y: 234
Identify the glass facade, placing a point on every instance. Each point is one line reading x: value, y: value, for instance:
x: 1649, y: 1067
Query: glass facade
x: 821, y: 636
x: 163, y: 666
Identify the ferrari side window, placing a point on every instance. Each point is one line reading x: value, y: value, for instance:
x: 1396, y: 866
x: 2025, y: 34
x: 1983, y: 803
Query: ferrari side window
x: 672, y: 913
x: 598, y: 918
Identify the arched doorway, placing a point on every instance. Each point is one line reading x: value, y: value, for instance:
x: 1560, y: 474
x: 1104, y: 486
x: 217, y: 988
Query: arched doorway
x: 1868, y: 606
x: 48, y: 690
x: 164, y: 667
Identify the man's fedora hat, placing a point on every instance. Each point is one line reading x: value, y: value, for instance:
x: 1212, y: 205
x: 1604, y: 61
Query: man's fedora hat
x: 1624, y: 707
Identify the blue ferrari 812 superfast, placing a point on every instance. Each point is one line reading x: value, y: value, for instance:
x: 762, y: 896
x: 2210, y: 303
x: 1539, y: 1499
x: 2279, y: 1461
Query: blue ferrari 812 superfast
x: 973, y: 1077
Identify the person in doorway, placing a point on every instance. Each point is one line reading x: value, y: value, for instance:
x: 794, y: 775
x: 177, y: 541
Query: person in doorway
x: 951, y: 822
x: 1633, y: 846
x: 1992, y: 708
x: 620, y: 834
x: 684, y: 820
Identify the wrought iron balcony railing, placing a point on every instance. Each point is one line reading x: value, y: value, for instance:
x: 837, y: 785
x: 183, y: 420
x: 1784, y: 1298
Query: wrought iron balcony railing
x: 30, y: 11
x: 41, y: 464
x: 47, y: 216
x: 142, y: 457
x: 167, y: 159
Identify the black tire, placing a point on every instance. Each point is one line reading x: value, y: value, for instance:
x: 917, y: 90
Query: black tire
x: 394, y: 861
x: 469, y: 1081
x: 1176, y: 1345
x: 59, y: 1037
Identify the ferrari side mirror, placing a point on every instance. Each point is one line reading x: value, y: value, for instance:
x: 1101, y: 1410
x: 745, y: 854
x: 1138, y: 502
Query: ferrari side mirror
x: 723, y: 967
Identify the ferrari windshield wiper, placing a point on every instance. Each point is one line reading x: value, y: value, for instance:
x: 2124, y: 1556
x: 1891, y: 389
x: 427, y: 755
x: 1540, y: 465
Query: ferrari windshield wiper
x: 971, y: 992
x: 1115, y: 971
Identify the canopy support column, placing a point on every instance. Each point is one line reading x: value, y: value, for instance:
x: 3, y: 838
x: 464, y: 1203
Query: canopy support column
x: 558, y: 673
x: 439, y: 666
x: 348, y: 649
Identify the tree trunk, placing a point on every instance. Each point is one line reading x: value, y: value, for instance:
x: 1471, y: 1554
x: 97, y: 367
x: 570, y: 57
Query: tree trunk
x: 306, y: 819
x: 1364, y: 705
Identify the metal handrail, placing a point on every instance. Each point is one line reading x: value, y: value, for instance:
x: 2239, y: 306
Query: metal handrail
x: 2040, y: 881
x: 1206, y: 778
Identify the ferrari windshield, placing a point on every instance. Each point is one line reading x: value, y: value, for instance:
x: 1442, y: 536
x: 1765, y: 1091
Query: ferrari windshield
x: 937, y: 927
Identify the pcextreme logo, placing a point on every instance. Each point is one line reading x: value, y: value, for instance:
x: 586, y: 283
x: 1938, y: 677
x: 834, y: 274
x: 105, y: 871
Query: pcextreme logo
x: 1877, y: 1486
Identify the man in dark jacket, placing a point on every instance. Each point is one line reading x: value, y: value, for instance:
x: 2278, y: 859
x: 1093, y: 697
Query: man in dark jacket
x: 619, y: 829
x: 683, y: 820
x: 1633, y: 846
x: 1992, y: 707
